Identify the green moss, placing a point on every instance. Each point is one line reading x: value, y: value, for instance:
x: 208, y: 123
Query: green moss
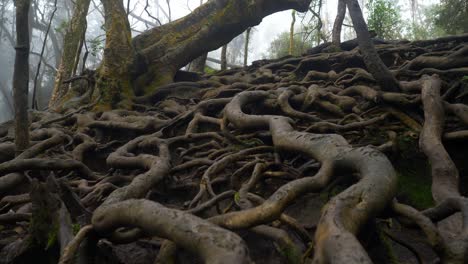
x: 415, y: 190
x: 414, y: 178
x: 44, y: 234
x: 76, y: 228
x: 236, y: 197
x: 291, y: 253
x: 52, y: 237
x: 392, y: 258
x: 209, y: 70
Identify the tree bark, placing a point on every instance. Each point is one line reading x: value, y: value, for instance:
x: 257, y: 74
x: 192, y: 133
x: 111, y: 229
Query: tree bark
x: 198, y: 65
x: 372, y: 60
x: 113, y: 76
x: 71, y: 47
x: 165, y: 49
x: 336, y: 33
x: 21, y: 75
x: 153, y: 58
x: 246, y: 47
x: 223, y: 58
x: 291, y: 33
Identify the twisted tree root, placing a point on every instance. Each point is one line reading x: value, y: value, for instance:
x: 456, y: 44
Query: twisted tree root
x: 344, y: 214
x: 213, y: 244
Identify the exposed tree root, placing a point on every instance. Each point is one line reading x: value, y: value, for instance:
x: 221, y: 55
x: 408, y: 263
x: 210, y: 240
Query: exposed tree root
x: 238, y: 167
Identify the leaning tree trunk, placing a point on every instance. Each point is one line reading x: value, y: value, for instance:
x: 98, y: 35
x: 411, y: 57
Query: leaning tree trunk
x: 370, y: 56
x: 336, y: 33
x: 21, y: 75
x: 71, y: 50
x: 167, y: 48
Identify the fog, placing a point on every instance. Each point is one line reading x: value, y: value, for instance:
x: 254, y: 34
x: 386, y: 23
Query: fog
x: 262, y: 36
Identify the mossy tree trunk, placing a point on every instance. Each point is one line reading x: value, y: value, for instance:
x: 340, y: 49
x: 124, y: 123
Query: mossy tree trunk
x: 113, y: 76
x: 153, y: 58
x: 71, y: 50
x: 165, y: 49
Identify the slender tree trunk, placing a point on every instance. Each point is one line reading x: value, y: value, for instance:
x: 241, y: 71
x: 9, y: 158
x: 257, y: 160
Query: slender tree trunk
x: 44, y: 44
x: 372, y: 60
x: 71, y: 46
x: 246, y: 46
x: 291, y: 33
x: 224, y: 58
x: 21, y: 75
x: 336, y: 34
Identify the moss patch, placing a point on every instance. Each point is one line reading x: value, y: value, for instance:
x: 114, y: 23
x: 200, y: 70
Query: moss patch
x: 414, y: 177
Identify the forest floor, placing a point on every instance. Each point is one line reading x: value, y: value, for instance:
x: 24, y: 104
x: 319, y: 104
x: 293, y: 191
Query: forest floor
x: 189, y: 147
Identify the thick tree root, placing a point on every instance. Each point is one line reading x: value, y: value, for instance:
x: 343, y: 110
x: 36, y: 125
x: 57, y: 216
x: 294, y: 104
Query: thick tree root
x: 205, y: 170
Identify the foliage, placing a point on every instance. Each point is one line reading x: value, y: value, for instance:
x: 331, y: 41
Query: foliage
x: 62, y: 27
x: 384, y: 18
x: 279, y: 47
x: 452, y: 16
x: 425, y: 26
x: 96, y: 45
x: 209, y: 70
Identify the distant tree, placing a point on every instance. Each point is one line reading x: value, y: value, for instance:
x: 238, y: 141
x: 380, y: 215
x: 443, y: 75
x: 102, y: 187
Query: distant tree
x: 279, y: 47
x: 452, y: 16
x: 384, y: 18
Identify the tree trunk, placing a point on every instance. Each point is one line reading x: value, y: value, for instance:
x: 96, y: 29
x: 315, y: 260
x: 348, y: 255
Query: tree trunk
x: 113, y: 76
x: 336, y: 34
x: 246, y: 47
x: 198, y: 65
x: 223, y: 58
x: 71, y: 46
x: 291, y: 33
x: 372, y: 60
x: 160, y: 52
x: 166, y: 49
x: 21, y: 75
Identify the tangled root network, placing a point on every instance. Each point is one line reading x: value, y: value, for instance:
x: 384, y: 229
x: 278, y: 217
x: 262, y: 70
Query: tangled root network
x: 296, y: 160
